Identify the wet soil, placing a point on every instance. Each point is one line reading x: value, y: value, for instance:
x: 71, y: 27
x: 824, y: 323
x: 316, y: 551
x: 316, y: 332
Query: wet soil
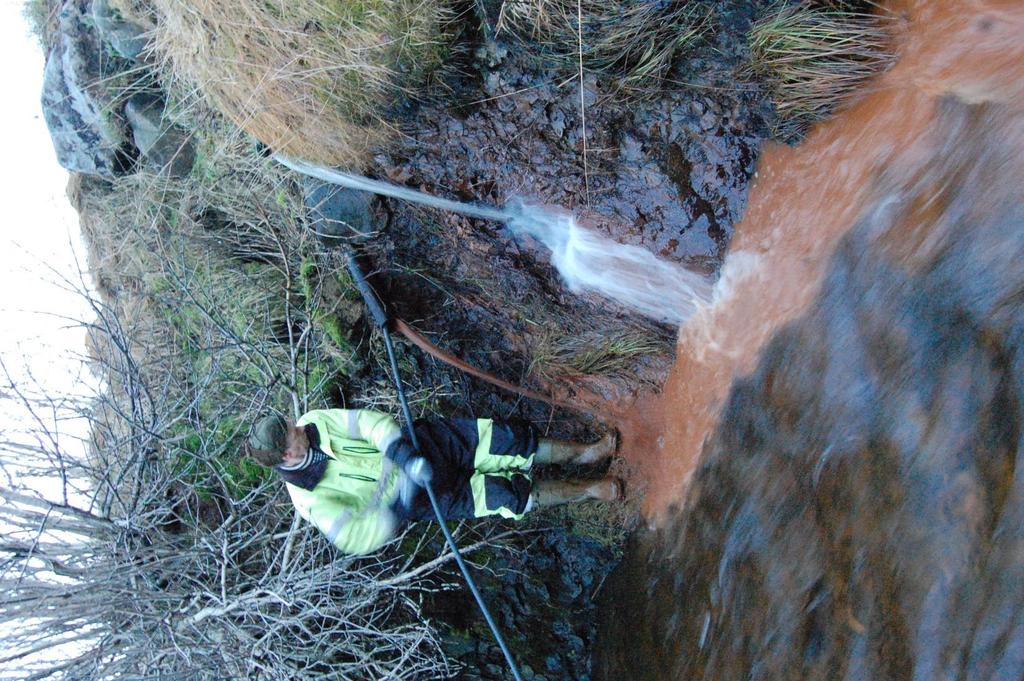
x: 543, y: 596
x: 668, y: 171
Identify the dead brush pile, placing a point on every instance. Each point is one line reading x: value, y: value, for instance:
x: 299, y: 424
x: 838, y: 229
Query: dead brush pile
x: 813, y: 57
x: 632, y: 40
x: 315, y: 79
x: 177, y: 557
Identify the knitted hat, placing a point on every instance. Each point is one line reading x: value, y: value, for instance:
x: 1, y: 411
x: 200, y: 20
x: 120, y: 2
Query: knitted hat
x: 270, y: 434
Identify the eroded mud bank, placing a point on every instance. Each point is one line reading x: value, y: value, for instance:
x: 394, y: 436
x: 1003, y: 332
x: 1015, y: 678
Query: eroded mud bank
x: 850, y: 409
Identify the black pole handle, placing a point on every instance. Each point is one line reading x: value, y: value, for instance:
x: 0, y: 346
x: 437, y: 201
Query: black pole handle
x: 381, y: 317
x: 369, y: 295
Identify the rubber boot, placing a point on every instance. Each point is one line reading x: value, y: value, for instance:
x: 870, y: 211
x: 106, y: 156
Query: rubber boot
x: 555, y: 492
x: 561, y: 451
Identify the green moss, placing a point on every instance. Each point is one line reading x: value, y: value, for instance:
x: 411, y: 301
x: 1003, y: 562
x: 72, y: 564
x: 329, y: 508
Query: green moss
x: 242, y: 475
x: 308, y: 275
x: 330, y: 325
x: 206, y: 459
x: 347, y: 287
x: 316, y: 378
x: 334, y: 330
x: 281, y: 198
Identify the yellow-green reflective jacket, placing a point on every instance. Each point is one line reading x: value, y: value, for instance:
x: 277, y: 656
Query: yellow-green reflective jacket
x: 351, y: 503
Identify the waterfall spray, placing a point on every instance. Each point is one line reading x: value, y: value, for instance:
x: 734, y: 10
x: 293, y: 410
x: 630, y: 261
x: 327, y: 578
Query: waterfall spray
x: 587, y: 261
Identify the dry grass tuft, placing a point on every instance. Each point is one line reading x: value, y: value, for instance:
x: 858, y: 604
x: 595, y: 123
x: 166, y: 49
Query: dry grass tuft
x: 315, y: 79
x: 609, y: 524
x: 593, y: 354
x: 814, y: 57
x: 632, y: 39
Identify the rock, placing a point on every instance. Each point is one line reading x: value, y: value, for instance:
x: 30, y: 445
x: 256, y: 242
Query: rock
x: 127, y: 38
x: 459, y: 646
x: 87, y: 135
x: 491, y: 54
x: 576, y: 645
x: 162, y: 144
x: 557, y: 119
x: 493, y: 655
x: 336, y: 213
x: 493, y: 84
x: 630, y: 149
x: 567, y: 587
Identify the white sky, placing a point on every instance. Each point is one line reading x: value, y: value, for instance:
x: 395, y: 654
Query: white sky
x: 40, y: 226
x: 39, y: 233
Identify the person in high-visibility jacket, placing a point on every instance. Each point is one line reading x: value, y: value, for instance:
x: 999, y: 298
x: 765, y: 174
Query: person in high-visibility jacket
x: 355, y: 476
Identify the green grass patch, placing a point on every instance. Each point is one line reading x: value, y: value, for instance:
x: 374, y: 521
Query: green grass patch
x: 633, y: 40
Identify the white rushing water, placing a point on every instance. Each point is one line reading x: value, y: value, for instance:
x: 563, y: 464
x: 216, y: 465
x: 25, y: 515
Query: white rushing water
x: 586, y: 260
x: 630, y: 275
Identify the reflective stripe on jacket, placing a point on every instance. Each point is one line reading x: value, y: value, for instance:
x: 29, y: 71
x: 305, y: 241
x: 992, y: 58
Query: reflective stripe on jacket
x: 351, y: 503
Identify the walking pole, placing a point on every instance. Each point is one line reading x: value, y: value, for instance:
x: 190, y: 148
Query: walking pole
x: 380, y: 317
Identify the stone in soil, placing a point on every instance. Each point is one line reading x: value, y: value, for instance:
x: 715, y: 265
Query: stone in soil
x: 79, y: 109
x: 163, y: 146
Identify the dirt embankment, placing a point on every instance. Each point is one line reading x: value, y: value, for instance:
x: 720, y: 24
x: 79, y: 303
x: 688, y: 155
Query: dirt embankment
x: 667, y: 171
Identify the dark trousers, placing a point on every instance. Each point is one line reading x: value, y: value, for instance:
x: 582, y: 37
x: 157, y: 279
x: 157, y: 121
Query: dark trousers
x: 481, y: 467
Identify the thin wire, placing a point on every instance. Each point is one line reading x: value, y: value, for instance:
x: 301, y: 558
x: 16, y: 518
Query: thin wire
x: 583, y: 106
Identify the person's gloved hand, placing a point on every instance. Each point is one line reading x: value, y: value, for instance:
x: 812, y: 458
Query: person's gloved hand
x: 401, y: 452
x: 419, y: 471
x: 405, y: 456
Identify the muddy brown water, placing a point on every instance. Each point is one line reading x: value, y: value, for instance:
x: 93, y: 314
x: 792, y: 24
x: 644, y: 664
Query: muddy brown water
x: 831, y: 466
